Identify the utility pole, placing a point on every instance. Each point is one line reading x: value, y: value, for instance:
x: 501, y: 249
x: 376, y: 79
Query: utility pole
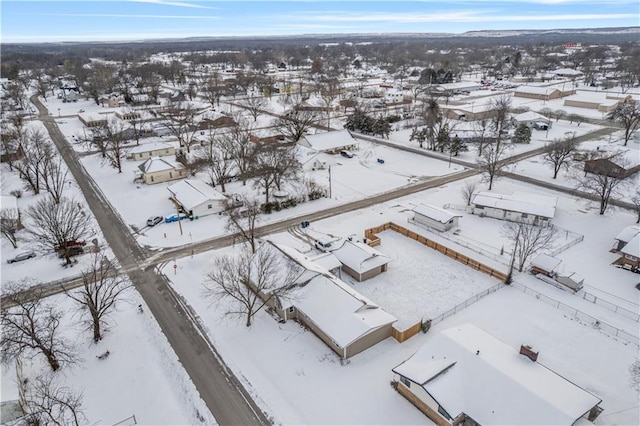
x: 329, y: 181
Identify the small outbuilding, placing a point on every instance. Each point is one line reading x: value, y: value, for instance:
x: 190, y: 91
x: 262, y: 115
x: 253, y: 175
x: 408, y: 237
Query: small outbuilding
x: 434, y: 217
x: 545, y: 264
x: 330, y: 142
x: 361, y: 261
x: 196, y: 198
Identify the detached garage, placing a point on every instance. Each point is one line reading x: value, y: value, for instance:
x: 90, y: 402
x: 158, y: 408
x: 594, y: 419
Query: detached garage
x: 434, y: 217
x: 197, y: 198
x: 361, y: 261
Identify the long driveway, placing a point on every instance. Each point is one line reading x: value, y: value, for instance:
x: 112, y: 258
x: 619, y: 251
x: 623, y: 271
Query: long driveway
x: 223, y: 394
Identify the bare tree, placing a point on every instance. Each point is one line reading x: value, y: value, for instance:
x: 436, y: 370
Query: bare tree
x: 628, y: 115
x: 264, y: 167
x: 601, y: 186
x: 481, y: 133
x: 251, y: 280
x: 54, y: 175
x: 36, y: 152
x: 635, y: 200
x: 100, y: 292
x: 492, y: 161
x: 468, y: 190
x: 242, y: 150
x: 528, y: 239
x: 48, y: 403
x: 255, y: 105
x: 10, y: 224
x: 30, y: 327
x: 634, y: 374
x: 330, y: 90
x: 55, y: 225
x: 242, y: 219
x: 219, y: 164
x: 212, y: 89
x: 559, y: 152
x: 180, y: 118
x: 295, y: 125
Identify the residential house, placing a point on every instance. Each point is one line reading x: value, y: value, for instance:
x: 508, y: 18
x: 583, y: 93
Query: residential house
x: 149, y: 150
x: 361, y: 261
x: 112, y: 100
x: 608, y: 167
x: 531, y: 119
x: 126, y: 114
x: 330, y: 142
x: 156, y: 170
x: 541, y: 93
x: 464, y: 375
x: 342, y: 318
x: 521, y: 207
x: 92, y: 120
x: 434, y: 217
x: 10, y: 149
x: 196, y: 198
x: 628, y: 245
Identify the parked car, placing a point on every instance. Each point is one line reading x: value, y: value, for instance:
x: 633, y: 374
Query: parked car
x: 22, y: 256
x: 154, y: 220
x: 346, y: 154
x: 324, y: 246
x: 175, y: 218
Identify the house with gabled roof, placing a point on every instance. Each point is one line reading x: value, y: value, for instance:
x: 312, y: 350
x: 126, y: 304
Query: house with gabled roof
x: 342, y: 318
x: 628, y: 245
x: 152, y: 149
x: 330, y: 142
x: 464, y: 375
x: 156, y: 170
x: 518, y: 206
x: 196, y: 198
x: 434, y: 217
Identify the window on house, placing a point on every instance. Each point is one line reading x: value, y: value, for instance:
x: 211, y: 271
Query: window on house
x: 405, y: 381
x: 630, y: 257
x: 524, y: 215
x: 151, y: 178
x: 444, y: 413
x: 291, y: 309
x: 480, y: 207
x: 170, y: 175
x: 210, y: 206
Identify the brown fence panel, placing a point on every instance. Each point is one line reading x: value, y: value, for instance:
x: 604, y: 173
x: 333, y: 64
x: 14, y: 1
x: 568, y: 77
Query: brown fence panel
x: 407, y: 333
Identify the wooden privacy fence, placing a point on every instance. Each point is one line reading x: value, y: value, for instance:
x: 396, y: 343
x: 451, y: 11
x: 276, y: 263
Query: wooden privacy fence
x: 373, y: 240
x: 402, y: 335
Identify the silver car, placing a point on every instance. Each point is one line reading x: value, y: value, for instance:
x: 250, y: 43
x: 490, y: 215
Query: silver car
x: 22, y: 256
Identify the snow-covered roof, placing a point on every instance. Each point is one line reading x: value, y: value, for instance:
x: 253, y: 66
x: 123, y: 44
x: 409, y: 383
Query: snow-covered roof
x: 536, y: 90
x: 566, y: 71
x: 434, y: 213
x: 8, y: 202
x: 632, y: 248
x: 193, y: 193
x: 491, y: 382
x: 337, y: 309
x: 360, y: 257
x: 530, y: 116
x: 522, y: 202
x: 148, y: 147
x: 571, y: 276
x: 91, y: 116
x: 155, y: 164
x: 327, y: 260
x: 628, y: 233
x: 546, y: 262
x: 330, y: 140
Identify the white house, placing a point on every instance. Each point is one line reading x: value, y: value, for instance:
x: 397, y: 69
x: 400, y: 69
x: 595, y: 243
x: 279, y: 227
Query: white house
x: 342, y: 318
x: 530, y: 118
x: 360, y: 260
x: 153, y: 149
x: 156, y: 170
x: 434, y: 217
x: 197, y: 198
x: 331, y: 142
x: 518, y: 206
x: 464, y: 374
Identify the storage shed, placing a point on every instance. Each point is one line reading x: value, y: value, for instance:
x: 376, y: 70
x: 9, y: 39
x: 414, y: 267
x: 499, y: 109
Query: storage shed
x: 434, y: 217
x: 360, y: 260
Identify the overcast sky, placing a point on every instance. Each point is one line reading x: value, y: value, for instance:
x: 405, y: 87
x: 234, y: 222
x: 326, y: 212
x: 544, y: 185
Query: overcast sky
x: 88, y: 20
